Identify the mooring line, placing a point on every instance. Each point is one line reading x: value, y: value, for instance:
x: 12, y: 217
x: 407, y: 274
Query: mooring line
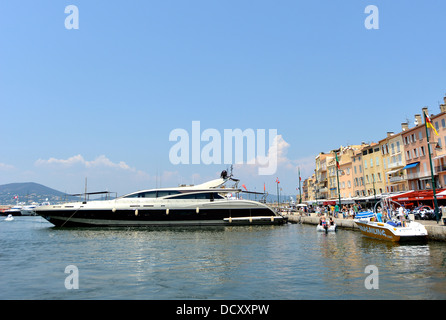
x: 70, y: 217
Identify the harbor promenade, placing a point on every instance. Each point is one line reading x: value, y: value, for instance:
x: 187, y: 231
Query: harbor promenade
x: 435, y: 231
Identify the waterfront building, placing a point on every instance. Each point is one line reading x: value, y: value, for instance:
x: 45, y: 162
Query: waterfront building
x: 345, y: 157
x: 393, y: 159
x: 385, y: 155
x: 332, y: 179
x: 358, y: 174
x: 308, y: 188
x: 439, y: 160
x: 327, y: 174
x: 416, y: 154
x: 374, y: 181
x: 397, y: 163
x: 321, y: 183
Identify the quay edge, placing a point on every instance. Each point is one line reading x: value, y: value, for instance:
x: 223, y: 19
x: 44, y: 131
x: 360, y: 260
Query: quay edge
x: 435, y: 231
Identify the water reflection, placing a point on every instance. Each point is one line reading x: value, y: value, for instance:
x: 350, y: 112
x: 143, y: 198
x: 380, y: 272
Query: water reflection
x: 252, y: 262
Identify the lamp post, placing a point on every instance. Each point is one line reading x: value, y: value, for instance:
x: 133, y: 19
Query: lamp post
x: 337, y: 178
x: 427, y: 120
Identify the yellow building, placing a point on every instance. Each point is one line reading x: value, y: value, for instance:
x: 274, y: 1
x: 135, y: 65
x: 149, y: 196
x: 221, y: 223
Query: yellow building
x: 374, y: 180
x: 392, y: 153
x: 321, y: 183
x: 345, y: 173
x: 309, y: 189
x: 331, y: 177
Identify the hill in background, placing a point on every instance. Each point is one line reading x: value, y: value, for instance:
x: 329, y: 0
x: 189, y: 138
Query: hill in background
x: 28, y: 192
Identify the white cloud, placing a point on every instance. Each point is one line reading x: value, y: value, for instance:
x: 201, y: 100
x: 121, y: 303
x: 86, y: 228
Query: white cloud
x: 287, y: 169
x: 277, y: 152
x: 100, y: 161
x: 102, y: 173
x: 4, y: 166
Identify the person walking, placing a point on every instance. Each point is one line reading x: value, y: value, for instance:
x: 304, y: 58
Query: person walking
x: 336, y: 211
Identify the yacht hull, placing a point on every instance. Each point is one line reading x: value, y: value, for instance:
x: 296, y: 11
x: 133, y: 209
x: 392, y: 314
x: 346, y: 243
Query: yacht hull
x: 160, y: 217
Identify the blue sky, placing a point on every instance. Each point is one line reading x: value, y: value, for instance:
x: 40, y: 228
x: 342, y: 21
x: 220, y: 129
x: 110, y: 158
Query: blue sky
x: 100, y: 102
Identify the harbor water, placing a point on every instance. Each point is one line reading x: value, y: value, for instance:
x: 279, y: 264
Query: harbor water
x: 292, y: 261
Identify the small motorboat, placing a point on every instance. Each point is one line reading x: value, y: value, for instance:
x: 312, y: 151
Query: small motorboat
x: 392, y: 230
x: 326, y: 228
x: 9, y: 218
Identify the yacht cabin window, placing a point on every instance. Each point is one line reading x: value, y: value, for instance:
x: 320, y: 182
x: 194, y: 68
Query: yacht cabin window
x: 208, y: 196
x: 152, y: 194
x: 145, y: 194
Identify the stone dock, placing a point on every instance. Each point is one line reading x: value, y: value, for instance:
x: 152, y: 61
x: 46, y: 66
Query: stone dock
x: 435, y: 231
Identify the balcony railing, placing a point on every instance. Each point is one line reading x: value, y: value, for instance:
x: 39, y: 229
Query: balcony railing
x: 421, y: 174
x: 398, y: 178
x: 396, y: 164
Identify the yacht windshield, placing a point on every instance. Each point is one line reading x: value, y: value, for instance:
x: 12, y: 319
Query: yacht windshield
x: 152, y: 194
x: 145, y: 194
x: 203, y: 196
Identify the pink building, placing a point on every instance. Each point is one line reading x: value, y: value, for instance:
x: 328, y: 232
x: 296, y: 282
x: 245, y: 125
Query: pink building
x: 416, y: 152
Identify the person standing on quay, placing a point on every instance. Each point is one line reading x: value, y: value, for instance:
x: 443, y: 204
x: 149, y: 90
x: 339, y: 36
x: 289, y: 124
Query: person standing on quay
x: 355, y: 210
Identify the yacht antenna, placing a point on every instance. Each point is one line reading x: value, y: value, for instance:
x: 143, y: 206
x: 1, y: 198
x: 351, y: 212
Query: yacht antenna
x: 85, y: 195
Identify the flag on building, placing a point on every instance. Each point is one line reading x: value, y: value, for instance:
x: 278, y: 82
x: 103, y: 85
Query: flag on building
x: 428, y: 123
x: 337, y: 162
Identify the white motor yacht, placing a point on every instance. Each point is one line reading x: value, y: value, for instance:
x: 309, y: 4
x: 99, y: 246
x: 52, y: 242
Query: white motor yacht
x: 207, y: 204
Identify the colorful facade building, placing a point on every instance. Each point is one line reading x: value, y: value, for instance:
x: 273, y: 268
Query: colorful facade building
x: 346, y: 177
x: 358, y: 174
x: 321, y: 182
x: 439, y: 160
x: 308, y: 189
x: 392, y: 151
x: 397, y: 163
x: 416, y: 148
x: 374, y: 180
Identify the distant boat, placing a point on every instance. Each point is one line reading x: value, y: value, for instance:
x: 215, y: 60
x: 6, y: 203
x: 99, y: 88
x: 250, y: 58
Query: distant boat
x: 14, y: 211
x: 208, y: 204
x: 9, y: 218
x: 28, y: 210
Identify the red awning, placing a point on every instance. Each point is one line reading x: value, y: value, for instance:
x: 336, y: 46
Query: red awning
x: 418, y: 195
